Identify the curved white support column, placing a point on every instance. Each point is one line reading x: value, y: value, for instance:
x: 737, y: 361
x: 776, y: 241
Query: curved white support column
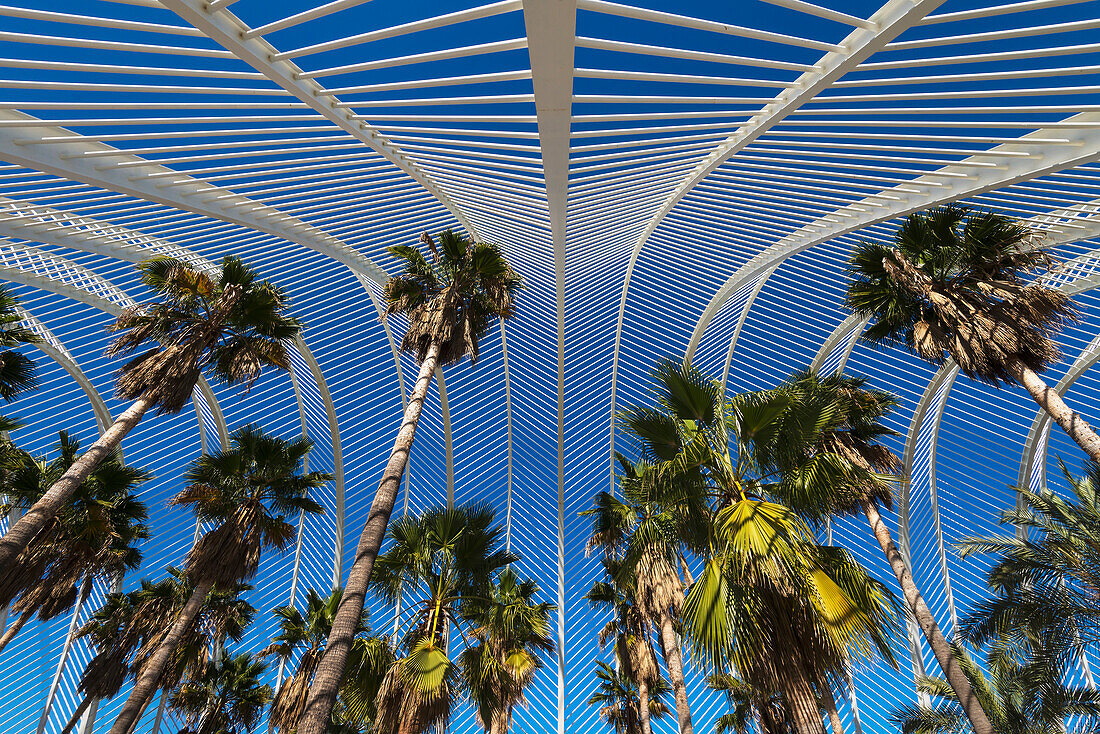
x: 551, y: 39
x: 1019, y: 163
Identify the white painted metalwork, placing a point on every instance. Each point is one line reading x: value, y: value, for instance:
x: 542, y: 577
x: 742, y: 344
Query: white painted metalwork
x: 663, y: 172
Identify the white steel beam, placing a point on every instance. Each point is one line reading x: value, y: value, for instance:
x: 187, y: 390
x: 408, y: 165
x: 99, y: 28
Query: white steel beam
x: 551, y: 34
x: 888, y: 22
x: 228, y: 31
x: 1083, y: 147
x: 152, y: 182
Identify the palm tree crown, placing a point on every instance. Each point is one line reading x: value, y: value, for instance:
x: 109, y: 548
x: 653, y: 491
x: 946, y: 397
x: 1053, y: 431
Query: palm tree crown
x: 1046, y: 579
x: 1025, y: 697
x: 307, y: 633
x: 445, y: 556
x: 17, y: 371
x: 227, y: 698
x: 511, y: 631
x: 617, y: 696
x: 952, y: 285
x: 232, y: 325
x: 766, y: 586
x: 94, y: 538
x: 252, y: 490
x: 452, y: 299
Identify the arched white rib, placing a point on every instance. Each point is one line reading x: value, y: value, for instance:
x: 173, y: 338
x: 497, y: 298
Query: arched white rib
x: 21, y: 139
x: 551, y: 35
x: 228, y: 31
x: 887, y: 23
x: 1083, y: 147
x: 52, y: 347
x: 940, y: 385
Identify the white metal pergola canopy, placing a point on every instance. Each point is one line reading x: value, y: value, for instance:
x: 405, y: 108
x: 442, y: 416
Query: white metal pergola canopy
x: 668, y: 178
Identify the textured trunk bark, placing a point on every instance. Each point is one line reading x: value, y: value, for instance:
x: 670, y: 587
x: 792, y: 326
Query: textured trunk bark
x: 674, y: 661
x: 12, y: 631
x: 75, y: 719
x: 798, y: 695
x: 149, y: 677
x: 326, y: 683
x: 1049, y: 400
x: 643, y: 707
x: 830, y: 706
x: 979, y: 721
x: 57, y: 496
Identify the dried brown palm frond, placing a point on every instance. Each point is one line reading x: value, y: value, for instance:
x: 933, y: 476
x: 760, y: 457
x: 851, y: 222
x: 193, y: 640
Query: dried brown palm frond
x: 954, y: 285
x: 228, y: 322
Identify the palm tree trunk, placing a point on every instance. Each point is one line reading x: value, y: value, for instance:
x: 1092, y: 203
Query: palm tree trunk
x: 326, y: 683
x: 149, y: 676
x: 1049, y: 400
x: 643, y: 707
x: 75, y: 718
x: 674, y: 661
x: 979, y: 721
x: 829, y: 703
x: 57, y: 496
x: 17, y: 625
x: 798, y: 693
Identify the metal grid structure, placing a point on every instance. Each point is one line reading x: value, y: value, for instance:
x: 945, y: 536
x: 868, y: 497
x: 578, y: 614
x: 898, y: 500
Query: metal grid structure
x: 669, y: 179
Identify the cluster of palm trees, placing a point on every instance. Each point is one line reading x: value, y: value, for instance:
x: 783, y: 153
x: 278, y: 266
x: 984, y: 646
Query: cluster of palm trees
x: 710, y: 538
x: 709, y: 544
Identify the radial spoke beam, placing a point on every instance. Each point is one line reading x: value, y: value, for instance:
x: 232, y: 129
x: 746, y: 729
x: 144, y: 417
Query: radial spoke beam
x: 551, y: 35
x: 231, y: 33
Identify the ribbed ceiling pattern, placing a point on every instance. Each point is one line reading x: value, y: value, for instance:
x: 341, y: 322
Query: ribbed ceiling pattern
x: 669, y: 178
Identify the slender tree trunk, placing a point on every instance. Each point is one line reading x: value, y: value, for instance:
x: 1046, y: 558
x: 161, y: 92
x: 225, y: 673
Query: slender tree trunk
x: 829, y: 704
x: 979, y: 721
x: 798, y: 694
x: 17, y: 625
x: 57, y: 496
x: 141, y: 712
x: 326, y: 683
x: 643, y: 707
x: 674, y: 661
x: 75, y: 718
x: 150, y: 674
x: 1049, y: 400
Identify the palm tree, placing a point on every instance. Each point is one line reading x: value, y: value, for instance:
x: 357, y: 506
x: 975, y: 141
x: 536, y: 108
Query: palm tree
x: 629, y: 630
x: 370, y: 658
x: 787, y: 614
x: 450, y: 303
x: 1021, y: 698
x: 510, y: 630
x: 617, y: 697
x: 852, y: 436
x: 227, y: 698
x: 1046, y: 579
x: 745, y: 705
x: 93, y: 538
x: 445, y: 556
x: 643, y: 531
x: 952, y: 285
x: 250, y: 490
x: 17, y: 371
x: 230, y: 327
x: 129, y: 627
